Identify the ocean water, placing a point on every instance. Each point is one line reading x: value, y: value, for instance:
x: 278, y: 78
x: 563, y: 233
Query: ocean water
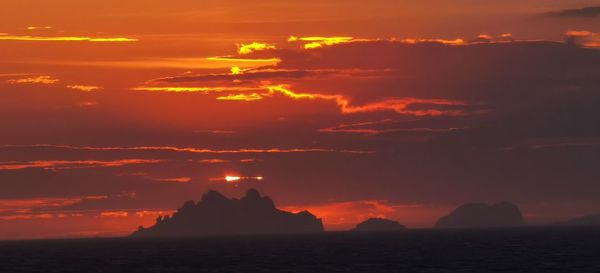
x: 493, y: 250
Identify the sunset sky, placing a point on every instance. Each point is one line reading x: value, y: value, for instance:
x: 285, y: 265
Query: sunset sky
x: 114, y: 112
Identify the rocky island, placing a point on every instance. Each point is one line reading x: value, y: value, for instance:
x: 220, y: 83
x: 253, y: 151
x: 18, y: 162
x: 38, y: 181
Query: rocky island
x: 379, y: 224
x: 216, y: 214
x: 479, y: 215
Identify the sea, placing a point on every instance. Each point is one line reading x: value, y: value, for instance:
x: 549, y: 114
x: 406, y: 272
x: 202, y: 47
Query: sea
x: 486, y: 250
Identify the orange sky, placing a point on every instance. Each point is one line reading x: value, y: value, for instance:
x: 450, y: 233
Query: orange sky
x: 115, y: 111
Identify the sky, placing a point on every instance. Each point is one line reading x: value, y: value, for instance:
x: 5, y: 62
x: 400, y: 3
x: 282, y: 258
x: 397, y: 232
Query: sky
x: 115, y: 112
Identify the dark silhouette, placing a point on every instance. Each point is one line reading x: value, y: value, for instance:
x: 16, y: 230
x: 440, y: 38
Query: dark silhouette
x: 588, y: 220
x: 379, y: 224
x: 478, y: 215
x: 215, y: 214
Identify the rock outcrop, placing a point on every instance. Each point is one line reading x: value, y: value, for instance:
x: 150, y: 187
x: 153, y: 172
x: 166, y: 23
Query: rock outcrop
x: 215, y: 214
x: 478, y: 215
x: 379, y: 224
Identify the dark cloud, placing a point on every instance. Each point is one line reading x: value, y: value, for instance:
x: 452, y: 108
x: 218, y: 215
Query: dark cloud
x: 587, y: 12
x: 250, y: 75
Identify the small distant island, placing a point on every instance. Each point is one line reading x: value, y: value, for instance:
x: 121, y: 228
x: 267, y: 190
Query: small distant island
x: 379, y: 224
x: 216, y: 214
x: 588, y: 220
x: 479, y: 215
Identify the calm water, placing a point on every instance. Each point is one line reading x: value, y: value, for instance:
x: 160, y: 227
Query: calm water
x: 509, y: 250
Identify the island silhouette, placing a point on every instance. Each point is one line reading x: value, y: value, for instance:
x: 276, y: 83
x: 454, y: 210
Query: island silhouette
x: 216, y: 214
x: 480, y: 215
x: 378, y: 224
x: 588, y: 220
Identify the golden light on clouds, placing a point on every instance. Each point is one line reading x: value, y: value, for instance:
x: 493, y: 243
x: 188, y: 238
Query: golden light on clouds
x: 195, y: 89
x: 457, y: 41
x: 6, y: 37
x: 399, y: 105
x: 254, y: 46
x: 236, y: 70
x: 241, y: 97
x: 316, y: 41
x: 84, y: 88
x: 35, y: 80
x: 38, y: 27
x: 233, y: 59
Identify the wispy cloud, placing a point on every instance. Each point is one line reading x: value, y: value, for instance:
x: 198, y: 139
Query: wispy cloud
x: 193, y: 89
x: 114, y: 214
x: 191, y: 150
x: 35, y: 80
x: 377, y: 128
x: 587, y: 12
x: 38, y: 27
x: 316, y: 41
x: 244, y: 60
x: 72, y: 164
x: 85, y: 88
x: 241, y: 97
x: 176, y: 180
x: 254, y: 46
x: 399, y: 105
x: 6, y: 37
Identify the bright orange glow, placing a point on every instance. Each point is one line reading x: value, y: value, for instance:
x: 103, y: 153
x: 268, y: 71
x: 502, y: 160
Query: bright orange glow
x: 249, y: 48
x: 232, y: 178
x: 344, y: 215
x: 114, y: 214
x: 579, y: 33
x: 242, y: 97
x: 177, y: 180
x: 213, y: 161
x: 584, y: 38
x: 35, y: 80
x: 232, y: 59
x: 64, y: 39
x: 84, y: 88
x: 41, y: 27
x: 457, y: 41
x: 236, y: 179
x: 195, y: 89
